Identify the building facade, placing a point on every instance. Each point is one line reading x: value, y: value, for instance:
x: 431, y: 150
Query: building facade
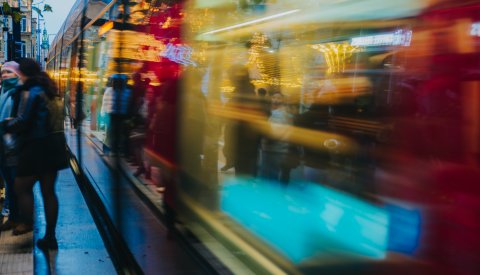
x: 25, y: 44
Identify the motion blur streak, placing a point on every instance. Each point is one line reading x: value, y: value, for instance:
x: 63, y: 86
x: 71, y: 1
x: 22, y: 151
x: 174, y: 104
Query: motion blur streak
x: 303, y: 137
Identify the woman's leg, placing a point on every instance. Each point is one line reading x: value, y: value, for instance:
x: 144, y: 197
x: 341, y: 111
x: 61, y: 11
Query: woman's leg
x: 137, y: 146
x: 24, y: 192
x: 9, y: 176
x: 6, y: 201
x: 50, y: 202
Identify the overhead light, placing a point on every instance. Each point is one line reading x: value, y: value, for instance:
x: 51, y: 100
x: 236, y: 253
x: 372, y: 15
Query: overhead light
x: 253, y: 22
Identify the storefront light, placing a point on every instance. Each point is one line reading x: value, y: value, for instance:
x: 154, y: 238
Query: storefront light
x: 336, y: 55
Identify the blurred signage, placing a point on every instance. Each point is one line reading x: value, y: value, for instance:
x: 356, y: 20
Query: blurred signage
x: 475, y: 31
x: 178, y: 53
x: 145, y: 47
x: 398, y: 38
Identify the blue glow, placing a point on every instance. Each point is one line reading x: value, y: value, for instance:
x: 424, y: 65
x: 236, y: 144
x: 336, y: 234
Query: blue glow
x: 404, y: 229
x: 305, y: 220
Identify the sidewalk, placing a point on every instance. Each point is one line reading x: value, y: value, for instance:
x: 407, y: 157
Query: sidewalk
x: 81, y: 249
x: 16, y: 253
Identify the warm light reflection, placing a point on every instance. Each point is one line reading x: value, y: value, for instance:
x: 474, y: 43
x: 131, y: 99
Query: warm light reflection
x: 146, y: 47
x: 336, y: 55
x: 314, y: 136
x: 259, y: 20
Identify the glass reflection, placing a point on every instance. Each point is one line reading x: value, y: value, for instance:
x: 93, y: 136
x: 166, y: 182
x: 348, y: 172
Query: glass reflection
x: 322, y: 135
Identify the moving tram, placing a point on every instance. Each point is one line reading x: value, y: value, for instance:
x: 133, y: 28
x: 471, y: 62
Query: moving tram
x: 295, y: 136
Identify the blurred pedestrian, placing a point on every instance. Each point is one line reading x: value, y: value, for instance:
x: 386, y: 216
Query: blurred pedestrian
x: 135, y: 127
x: 138, y: 125
x: 117, y: 105
x: 264, y: 101
x: 37, y: 120
x: 241, y: 139
x: 193, y: 122
x: 68, y: 110
x: 8, y: 158
x: 163, y: 128
x: 278, y: 156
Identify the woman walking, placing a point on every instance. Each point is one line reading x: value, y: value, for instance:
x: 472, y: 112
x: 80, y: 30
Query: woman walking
x: 8, y: 157
x: 37, y: 121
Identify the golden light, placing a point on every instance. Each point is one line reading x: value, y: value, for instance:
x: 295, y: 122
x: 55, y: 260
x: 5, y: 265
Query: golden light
x: 336, y: 55
x: 105, y: 28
